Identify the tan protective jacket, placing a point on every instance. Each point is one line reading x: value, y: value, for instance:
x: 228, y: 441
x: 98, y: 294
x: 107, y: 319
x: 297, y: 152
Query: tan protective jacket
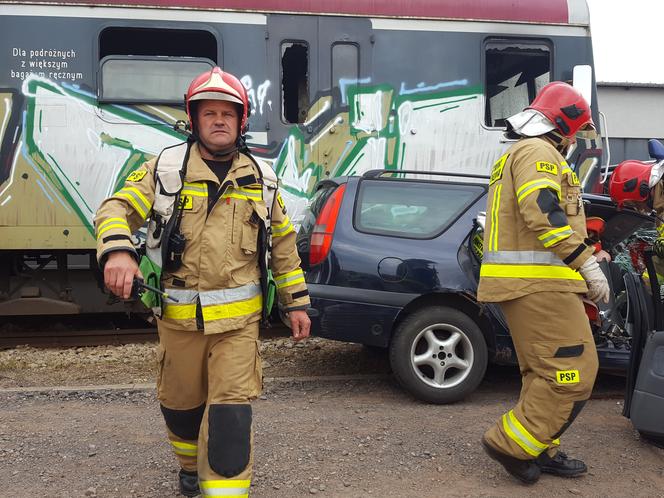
x: 533, y: 241
x: 218, y: 284
x: 658, y: 206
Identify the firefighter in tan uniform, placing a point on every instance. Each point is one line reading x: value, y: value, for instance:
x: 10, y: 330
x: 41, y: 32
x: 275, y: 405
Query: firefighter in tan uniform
x: 537, y: 263
x: 639, y: 185
x: 209, y: 364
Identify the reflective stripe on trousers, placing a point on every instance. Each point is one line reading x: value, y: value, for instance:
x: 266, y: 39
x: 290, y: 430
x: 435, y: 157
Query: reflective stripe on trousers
x: 230, y: 487
x: 215, y: 304
x: 186, y: 449
x: 520, y: 435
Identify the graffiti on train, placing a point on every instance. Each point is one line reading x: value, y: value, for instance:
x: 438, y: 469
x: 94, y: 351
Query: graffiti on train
x: 63, y: 152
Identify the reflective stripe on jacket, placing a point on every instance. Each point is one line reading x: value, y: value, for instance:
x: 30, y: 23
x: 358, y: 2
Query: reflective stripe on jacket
x: 535, y: 232
x: 219, y: 279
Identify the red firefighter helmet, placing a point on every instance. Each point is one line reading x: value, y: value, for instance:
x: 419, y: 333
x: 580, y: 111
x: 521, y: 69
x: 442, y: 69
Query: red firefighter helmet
x: 565, y: 107
x: 631, y: 181
x: 216, y: 84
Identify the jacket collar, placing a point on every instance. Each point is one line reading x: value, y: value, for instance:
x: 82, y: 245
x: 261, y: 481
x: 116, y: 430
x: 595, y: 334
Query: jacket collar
x: 198, y: 171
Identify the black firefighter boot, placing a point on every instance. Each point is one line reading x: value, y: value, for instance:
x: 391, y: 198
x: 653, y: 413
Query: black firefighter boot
x: 561, y: 465
x: 526, y: 471
x: 188, y: 483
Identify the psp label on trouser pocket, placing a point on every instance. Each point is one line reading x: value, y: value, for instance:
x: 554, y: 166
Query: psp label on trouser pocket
x: 567, y: 376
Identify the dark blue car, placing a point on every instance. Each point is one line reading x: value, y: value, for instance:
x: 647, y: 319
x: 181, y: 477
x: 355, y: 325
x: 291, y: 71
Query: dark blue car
x: 392, y: 260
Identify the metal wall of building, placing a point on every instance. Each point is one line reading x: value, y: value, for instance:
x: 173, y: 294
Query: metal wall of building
x: 633, y: 116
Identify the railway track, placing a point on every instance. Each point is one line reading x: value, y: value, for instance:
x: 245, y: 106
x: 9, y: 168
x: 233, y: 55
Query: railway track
x: 78, y: 330
x: 91, y: 330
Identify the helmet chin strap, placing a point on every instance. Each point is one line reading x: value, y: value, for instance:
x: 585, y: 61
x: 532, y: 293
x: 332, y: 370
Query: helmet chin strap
x: 562, y: 143
x: 218, y: 154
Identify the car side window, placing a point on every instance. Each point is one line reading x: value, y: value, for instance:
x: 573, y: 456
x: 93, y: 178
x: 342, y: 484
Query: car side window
x: 411, y: 209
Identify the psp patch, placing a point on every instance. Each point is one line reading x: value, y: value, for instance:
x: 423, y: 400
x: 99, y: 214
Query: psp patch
x: 280, y: 201
x: 567, y: 377
x: 497, y: 170
x: 575, y: 179
x: 546, y: 167
x: 136, y: 176
x: 186, y: 202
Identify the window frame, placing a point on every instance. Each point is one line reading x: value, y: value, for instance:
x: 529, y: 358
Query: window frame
x: 282, y: 114
x: 506, y: 41
x: 337, y: 43
x: 480, y: 188
x: 100, y: 82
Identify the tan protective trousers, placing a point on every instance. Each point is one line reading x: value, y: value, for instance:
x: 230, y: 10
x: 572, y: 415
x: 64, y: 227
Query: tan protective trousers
x: 558, y: 363
x: 205, y: 384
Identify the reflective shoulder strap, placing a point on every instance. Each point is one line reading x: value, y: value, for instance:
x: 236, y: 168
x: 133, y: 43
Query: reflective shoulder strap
x: 167, y: 175
x: 270, y: 185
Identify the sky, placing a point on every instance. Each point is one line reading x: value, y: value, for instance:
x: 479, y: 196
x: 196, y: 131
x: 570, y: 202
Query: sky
x: 628, y: 37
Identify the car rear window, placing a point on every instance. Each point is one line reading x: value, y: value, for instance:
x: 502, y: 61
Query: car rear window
x: 411, y: 209
x: 315, y: 206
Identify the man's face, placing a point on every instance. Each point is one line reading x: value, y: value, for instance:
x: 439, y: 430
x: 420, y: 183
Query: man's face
x: 218, y: 124
x: 641, y: 207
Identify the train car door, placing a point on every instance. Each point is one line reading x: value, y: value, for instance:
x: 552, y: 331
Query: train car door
x: 350, y: 113
x: 292, y: 63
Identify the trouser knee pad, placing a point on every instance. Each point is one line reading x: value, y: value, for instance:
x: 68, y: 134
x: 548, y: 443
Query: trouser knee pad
x: 229, y: 438
x: 184, y: 423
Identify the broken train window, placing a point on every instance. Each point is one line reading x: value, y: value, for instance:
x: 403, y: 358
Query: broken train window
x: 514, y: 73
x: 294, y: 81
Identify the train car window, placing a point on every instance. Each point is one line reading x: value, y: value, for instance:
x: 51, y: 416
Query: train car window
x: 514, y: 71
x: 294, y: 81
x: 151, y: 65
x: 345, y: 63
x: 147, y: 80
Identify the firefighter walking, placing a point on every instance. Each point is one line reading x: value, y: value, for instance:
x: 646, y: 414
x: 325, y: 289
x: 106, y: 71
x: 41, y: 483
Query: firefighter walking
x: 214, y: 211
x: 537, y: 263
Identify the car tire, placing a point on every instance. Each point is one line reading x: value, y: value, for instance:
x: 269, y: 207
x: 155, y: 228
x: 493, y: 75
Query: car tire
x: 416, y: 348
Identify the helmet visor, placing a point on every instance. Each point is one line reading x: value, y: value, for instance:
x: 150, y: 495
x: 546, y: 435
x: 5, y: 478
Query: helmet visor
x: 530, y: 123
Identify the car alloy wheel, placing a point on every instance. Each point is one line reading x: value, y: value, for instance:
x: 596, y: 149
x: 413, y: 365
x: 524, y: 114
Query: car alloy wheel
x: 442, y: 355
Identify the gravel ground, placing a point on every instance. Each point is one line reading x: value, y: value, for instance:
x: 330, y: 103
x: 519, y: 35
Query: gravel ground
x: 136, y: 363
x: 335, y: 438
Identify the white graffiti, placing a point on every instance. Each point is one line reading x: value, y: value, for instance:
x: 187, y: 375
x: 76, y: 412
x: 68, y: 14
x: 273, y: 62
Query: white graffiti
x: 422, y: 86
x: 369, y: 112
x: 323, y: 108
x: 256, y: 96
x: 70, y: 140
x: 442, y: 134
x: 373, y: 156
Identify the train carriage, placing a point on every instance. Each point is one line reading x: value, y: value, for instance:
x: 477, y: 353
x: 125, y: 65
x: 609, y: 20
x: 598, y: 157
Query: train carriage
x: 90, y: 91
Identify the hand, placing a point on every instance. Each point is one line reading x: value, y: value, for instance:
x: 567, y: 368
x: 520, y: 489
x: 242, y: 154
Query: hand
x: 300, y: 324
x: 598, y: 286
x: 119, y: 272
x: 602, y: 255
x: 658, y: 248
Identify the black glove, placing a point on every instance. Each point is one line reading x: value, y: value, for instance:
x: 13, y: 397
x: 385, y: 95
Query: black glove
x: 658, y: 248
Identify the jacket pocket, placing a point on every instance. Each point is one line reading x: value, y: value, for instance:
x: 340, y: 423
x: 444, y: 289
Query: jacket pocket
x: 252, y: 220
x: 573, y: 200
x: 161, y: 357
x: 569, y: 365
x: 257, y: 388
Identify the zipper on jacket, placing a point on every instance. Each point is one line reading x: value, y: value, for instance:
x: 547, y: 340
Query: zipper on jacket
x: 200, y: 324
x: 217, y: 196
